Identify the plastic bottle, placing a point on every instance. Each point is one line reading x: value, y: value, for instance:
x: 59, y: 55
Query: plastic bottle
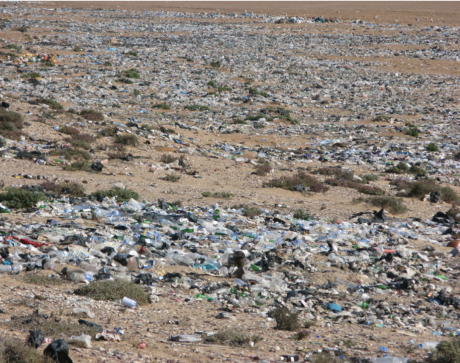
x: 128, y: 302
x: 5, y: 268
x: 89, y: 266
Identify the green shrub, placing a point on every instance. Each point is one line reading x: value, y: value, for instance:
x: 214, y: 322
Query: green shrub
x: 127, y: 139
x: 172, y: 178
x: 253, y: 91
x: 71, y: 188
x: 163, y: 106
x: 83, y: 165
x: 137, y: 92
x: 114, y: 290
x: 421, y: 188
x: 55, y: 105
x: 92, y: 115
x: 22, y: 29
x: 370, y: 177
x: 432, y: 147
x: 77, y: 49
x: 224, y: 195
x: 125, y: 80
x: 12, y: 46
x: 292, y: 182
x: 215, y: 64
x: 394, y: 205
x: 301, y: 214
x: 239, y: 122
x: 197, y: 108
x: 416, y: 170
x: 252, y: 211
x: 286, y: 319
x: 446, y: 352
x: 107, y: 64
x: 412, y: 131
x: 122, y: 195
x: 211, y: 83
x: 221, y: 89
x: 132, y: 53
x: 232, y: 337
x: 21, y: 198
x: 132, y: 73
x: 31, y: 75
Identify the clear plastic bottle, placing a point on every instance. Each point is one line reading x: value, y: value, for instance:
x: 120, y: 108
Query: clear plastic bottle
x: 78, y: 277
x: 429, y: 345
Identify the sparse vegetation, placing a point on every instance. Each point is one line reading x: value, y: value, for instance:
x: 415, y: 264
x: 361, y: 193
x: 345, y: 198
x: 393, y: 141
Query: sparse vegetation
x: 107, y: 64
x: 301, y: 335
x: 233, y: 337
x: 298, y: 182
x: 163, y: 106
x: 71, y: 188
x: 137, y: 92
x: 31, y: 75
x: 211, y: 83
x: 132, y: 73
x: 286, y: 319
x: 446, y: 352
x: 168, y: 158
x: 263, y: 170
x: 370, y: 177
x: 83, y: 165
x: 92, y: 115
x: 252, y: 211
x: 73, y: 154
x: 432, y: 147
x: 216, y: 64
x: 419, y: 189
x: 224, y: 195
x: 114, y: 290
x: 172, y: 178
x: 15, y: 351
x: 302, y: 214
x: 42, y: 280
x: 55, y: 105
x: 10, y: 124
x: 51, y: 327
x: 21, y: 198
x: 122, y: 195
x: 77, y: 49
x: 392, y: 204
x: 69, y: 130
x: 197, y: 108
x: 127, y: 139
x: 110, y: 131
x: 412, y: 131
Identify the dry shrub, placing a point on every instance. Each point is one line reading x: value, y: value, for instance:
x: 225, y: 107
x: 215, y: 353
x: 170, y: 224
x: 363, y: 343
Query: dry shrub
x: 127, y: 139
x: 71, y: 188
x: 168, y: 158
x: 69, y: 130
x: 301, y: 178
x: 286, y: 319
x: 233, y: 337
x: 92, y: 115
x: 13, y: 350
x: 114, y: 290
x: 263, y: 170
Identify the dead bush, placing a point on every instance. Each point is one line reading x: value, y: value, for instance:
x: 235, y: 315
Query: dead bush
x: 114, y: 290
x: 233, y: 337
x: 286, y: 319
